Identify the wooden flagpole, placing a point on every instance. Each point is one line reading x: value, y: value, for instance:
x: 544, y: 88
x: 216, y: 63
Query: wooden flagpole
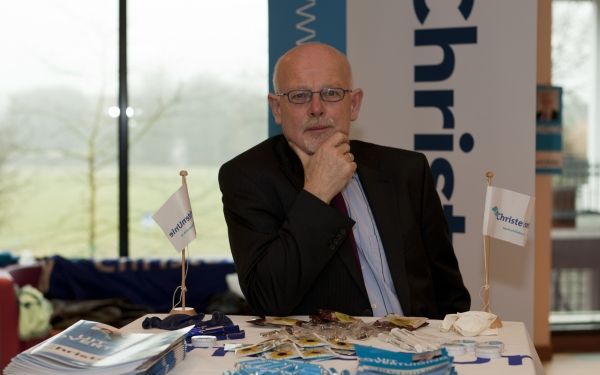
x: 183, y: 309
x: 487, y: 259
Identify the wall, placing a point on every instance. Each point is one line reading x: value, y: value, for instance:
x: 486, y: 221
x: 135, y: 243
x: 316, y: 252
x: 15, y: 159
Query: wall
x: 543, y: 192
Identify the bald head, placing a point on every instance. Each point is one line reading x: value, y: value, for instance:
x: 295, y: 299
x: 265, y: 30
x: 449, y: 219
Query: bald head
x: 311, y: 54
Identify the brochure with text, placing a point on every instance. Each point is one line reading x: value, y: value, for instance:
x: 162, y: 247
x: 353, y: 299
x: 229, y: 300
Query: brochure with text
x: 95, y: 348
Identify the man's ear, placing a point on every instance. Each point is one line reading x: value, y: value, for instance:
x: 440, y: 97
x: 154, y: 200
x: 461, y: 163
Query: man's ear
x: 356, y: 100
x: 275, y: 107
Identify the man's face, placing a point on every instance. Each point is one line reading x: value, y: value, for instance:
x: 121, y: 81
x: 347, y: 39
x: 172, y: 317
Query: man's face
x: 314, y: 67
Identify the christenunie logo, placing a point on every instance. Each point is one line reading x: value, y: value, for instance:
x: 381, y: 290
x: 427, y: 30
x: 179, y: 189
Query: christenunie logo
x: 496, y: 211
x: 518, y: 222
x: 183, y: 222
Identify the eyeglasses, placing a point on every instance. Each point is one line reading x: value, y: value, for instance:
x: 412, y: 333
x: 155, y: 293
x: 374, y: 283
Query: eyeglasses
x: 304, y: 96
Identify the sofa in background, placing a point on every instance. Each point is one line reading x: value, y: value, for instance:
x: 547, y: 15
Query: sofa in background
x: 11, y: 276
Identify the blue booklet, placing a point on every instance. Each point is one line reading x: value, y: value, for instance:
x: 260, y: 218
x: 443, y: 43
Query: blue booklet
x: 95, y: 348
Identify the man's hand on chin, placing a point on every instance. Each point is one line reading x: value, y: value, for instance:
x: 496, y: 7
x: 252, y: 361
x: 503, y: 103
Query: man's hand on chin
x: 329, y: 169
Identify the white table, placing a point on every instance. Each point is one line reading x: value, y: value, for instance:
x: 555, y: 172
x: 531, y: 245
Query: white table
x: 512, y: 334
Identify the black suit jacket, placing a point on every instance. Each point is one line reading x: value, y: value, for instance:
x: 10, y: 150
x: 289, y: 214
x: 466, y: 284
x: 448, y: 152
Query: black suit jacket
x: 292, y: 251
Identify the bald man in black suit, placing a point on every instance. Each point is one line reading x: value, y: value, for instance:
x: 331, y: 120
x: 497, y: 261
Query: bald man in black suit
x: 294, y: 252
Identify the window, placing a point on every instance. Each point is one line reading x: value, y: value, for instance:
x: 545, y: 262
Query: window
x: 198, y: 78
x: 58, y: 144
x: 575, y: 238
x: 197, y: 83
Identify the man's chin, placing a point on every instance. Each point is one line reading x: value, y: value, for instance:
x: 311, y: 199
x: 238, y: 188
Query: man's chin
x: 313, y: 143
x: 320, y: 135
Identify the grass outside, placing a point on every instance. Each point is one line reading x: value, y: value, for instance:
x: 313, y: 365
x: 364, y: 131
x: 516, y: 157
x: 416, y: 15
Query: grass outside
x: 50, y: 213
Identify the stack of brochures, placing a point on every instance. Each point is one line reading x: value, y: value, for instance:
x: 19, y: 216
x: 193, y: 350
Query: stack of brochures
x: 95, y: 348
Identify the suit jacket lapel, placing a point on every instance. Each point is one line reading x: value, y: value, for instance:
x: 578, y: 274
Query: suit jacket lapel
x: 291, y: 166
x: 382, y: 197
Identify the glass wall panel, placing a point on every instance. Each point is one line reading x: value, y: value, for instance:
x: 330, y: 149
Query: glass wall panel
x: 58, y: 186
x: 198, y: 82
x: 576, y: 203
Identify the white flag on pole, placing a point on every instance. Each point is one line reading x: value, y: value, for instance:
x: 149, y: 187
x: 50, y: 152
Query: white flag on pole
x: 507, y: 215
x: 176, y: 220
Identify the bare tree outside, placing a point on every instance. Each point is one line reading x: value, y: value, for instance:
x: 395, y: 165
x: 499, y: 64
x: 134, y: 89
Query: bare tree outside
x: 197, y: 99
x: 8, y: 180
x: 572, y: 67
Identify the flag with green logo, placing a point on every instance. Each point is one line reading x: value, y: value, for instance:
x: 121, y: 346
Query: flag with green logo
x: 507, y: 215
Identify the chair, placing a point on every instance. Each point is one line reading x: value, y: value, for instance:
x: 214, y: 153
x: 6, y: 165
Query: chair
x: 11, y: 276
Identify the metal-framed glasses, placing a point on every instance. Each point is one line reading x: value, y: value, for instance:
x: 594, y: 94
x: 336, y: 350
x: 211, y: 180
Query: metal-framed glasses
x: 328, y: 94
